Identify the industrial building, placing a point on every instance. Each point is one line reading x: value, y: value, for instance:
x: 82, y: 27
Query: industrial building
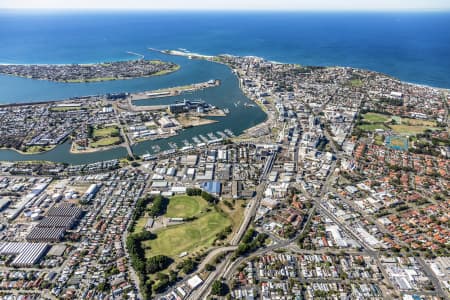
x: 44, y: 234
x: 53, y: 227
x: 4, y: 203
x: 187, y: 105
x: 212, y: 187
x: 90, y: 192
x: 236, y: 188
x: 26, y: 254
x: 165, y: 122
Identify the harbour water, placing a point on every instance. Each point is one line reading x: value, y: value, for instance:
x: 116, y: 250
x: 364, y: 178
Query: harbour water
x: 225, y: 95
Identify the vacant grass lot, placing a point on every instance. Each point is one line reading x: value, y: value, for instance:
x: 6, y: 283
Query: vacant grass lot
x: 417, y: 122
x: 185, y: 206
x: 140, y: 224
x: 109, y: 141
x: 189, y: 237
x: 105, y: 132
x: 409, y: 130
x: 65, y: 108
x: 236, y: 214
x: 37, y: 149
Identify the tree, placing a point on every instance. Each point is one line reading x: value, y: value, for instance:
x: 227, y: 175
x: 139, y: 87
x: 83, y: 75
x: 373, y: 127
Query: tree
x: 208, y: 197
x: 159, y: 206
x: 218, y: 288
x: 193, y: 192
x: 209, y: 267
x: 187, y: 266
x: 157, y: 263
x: 103, y: 287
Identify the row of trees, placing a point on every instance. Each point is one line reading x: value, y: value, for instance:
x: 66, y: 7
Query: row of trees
x: 152, y: 265
x: 137, y: 253
x: 251, y: 241
x: 199, y: 192
x: 139, y: 211
x: 193, y: 192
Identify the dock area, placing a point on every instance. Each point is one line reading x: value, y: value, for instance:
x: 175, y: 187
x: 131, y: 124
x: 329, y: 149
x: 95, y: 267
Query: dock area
x: 174, y: 91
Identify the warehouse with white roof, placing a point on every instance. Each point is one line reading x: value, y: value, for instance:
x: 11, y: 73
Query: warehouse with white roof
x: 26, y: 254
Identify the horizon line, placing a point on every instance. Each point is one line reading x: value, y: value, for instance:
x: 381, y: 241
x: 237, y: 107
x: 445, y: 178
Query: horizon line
x: 120, y: 9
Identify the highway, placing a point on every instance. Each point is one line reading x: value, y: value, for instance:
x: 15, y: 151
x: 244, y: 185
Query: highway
x: 124, y: 135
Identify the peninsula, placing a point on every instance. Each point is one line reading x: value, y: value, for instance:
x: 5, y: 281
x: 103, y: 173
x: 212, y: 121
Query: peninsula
x: 105, y: 71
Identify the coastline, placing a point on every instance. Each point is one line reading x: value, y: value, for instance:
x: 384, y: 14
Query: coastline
x: 175, y: 68
x: 172, y: 91
x: 100, y: 79
x: 194, y: 121
x: 29, y: 153
x: 211, y: 58
x: 73, y: 150
x: 215, y: 59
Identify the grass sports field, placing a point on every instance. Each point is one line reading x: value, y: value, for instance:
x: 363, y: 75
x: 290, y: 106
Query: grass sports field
x: 185, y: 206
x: 188, y: 237
x: 376, y: 121
x: 372, y: 127
x: 404, y: 126
x: 356, y: 82
x: 376, y: 118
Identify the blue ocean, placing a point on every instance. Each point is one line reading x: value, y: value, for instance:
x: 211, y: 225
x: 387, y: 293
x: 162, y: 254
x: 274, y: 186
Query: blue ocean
x: 414, y: 47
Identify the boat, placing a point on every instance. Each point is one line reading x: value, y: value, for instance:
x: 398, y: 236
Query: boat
x: 156, y: 148
x: 196, y: 140
x: 148, y: 156
x: 186, y: 143
x: 221, y: 134
x: 212, y: 136
x: 249, y: 105
x: 229, y: 132
x: 226, y: 110
x: 203, y: 138
x: 173, y: 145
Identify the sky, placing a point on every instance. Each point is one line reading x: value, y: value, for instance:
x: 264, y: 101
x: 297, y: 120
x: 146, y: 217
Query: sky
x: 339, y: 5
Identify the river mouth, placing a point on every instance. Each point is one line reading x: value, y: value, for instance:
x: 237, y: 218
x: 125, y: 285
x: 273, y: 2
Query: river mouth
x: 227, y: 95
